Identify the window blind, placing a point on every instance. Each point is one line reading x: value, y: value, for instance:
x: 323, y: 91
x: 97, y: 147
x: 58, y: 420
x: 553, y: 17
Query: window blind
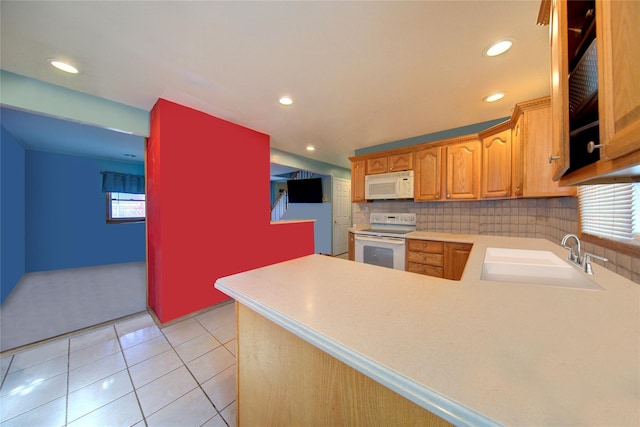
x: 611, y: 211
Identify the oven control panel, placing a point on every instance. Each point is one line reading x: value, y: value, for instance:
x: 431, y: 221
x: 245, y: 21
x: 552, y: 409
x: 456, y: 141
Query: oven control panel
x: 393, y: 218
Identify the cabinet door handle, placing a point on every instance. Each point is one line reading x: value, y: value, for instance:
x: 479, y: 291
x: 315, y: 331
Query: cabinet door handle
x: 553, y: 158
x: 591, y: 146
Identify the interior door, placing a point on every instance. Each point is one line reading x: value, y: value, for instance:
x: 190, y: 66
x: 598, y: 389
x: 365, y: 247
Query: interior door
x: 341, y: 215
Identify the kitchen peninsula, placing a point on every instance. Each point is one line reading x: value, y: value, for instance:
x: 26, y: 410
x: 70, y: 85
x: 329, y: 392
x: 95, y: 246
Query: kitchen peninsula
x: 326, y: 341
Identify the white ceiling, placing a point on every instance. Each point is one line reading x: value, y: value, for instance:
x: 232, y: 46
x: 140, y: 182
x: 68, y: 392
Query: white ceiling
x: 360, y: 73
x: 39, y: 132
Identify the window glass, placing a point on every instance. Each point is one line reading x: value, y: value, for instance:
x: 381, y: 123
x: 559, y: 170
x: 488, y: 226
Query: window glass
x: 125, y: 207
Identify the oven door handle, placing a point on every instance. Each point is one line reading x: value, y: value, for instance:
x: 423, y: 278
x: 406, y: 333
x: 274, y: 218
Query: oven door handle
x: 393, y: 240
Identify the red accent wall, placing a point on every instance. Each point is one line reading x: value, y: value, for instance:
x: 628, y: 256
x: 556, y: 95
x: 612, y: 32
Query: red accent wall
x: 208, y: 212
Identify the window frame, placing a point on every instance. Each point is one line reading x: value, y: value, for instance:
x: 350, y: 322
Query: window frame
x: 111, y: 220
x: 607, y: 243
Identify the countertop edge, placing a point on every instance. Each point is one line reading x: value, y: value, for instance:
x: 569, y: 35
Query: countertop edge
x: 292, y: 221
x: 450, y: 411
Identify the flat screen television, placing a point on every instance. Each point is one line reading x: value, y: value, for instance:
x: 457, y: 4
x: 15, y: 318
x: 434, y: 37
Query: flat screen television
x: 305, y: 190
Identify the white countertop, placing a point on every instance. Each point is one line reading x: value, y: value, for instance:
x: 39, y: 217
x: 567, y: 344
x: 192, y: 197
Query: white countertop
x: 474, y: 352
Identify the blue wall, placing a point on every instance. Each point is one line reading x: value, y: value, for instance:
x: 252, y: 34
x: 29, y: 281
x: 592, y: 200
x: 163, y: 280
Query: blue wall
x: 322, y: 227
x: 12, y: 213
x: 66, y: 214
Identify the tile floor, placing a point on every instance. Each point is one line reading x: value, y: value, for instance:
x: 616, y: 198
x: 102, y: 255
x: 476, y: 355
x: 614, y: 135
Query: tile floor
x: 129, y: 373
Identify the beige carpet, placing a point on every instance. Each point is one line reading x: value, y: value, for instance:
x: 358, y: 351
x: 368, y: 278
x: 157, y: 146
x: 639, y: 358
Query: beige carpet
x: 51, y: 303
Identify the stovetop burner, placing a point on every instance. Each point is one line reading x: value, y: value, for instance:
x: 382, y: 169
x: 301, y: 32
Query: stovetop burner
x: 390, y: 225
x: 386, y: 231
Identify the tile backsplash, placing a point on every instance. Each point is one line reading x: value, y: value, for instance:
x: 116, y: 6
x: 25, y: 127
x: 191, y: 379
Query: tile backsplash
x: 547, y: 219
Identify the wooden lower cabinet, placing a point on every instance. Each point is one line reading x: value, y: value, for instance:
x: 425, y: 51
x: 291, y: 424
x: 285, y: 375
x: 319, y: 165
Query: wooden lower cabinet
x: 456, y: 256
x: 425, y: 257
x: 284, y: 381
x: 438, y: 259
x: 352, y: 246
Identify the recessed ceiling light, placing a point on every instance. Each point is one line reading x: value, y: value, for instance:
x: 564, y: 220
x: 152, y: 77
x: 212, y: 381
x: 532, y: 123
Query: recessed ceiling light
x: 499, y: 47
x: 285, y: 100
x: 494, y: 97
x: 311, y: 148
x: 64, y: 67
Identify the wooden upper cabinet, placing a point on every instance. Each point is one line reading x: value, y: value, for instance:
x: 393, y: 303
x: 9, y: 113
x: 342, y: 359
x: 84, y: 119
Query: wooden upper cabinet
x: 401, y: 162
x: 377, y: 165
x: 533, y: 136
x: 618, y: 40
x: 428, y: 174
x: 559, y: 155
x: 595, y: 90
x: 352, y: 247
x: 390, y: 163
x: 463, y: 170
x: 496, y: 165
x: 517, y: 158
x: 357, y: 180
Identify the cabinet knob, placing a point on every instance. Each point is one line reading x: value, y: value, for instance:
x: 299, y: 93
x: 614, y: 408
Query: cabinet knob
x: 448, y: 196
x: 553, y: 158
x: 506, y: 192
x: 591, y: 146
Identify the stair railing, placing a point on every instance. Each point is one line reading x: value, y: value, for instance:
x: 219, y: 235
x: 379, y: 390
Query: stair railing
x: 281, y: 204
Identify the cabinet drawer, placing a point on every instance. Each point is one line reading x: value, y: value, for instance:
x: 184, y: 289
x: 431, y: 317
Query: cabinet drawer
x: 429, y: 270
x: 426, y: 246
x: 426, y: 258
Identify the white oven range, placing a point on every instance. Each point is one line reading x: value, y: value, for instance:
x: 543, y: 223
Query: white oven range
x: 384, y: 242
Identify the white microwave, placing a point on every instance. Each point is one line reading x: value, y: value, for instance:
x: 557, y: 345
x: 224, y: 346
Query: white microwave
x: 395, y: 185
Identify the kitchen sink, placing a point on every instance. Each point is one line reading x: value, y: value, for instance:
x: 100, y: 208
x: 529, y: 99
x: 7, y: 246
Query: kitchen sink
x: 533, y: 267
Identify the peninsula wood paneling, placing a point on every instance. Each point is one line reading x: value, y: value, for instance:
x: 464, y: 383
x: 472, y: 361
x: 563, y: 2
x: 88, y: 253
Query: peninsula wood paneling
x: 285, y: 381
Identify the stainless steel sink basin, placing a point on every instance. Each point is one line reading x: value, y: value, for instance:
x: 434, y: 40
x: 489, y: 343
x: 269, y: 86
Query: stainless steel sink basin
x: 533, y: 267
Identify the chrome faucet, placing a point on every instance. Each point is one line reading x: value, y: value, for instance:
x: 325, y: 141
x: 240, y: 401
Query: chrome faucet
x: 575, y: 258
x: 584, y: 263
x: 587, y: 262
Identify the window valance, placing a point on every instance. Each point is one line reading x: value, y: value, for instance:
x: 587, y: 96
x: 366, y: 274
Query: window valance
x: 114, y: 182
